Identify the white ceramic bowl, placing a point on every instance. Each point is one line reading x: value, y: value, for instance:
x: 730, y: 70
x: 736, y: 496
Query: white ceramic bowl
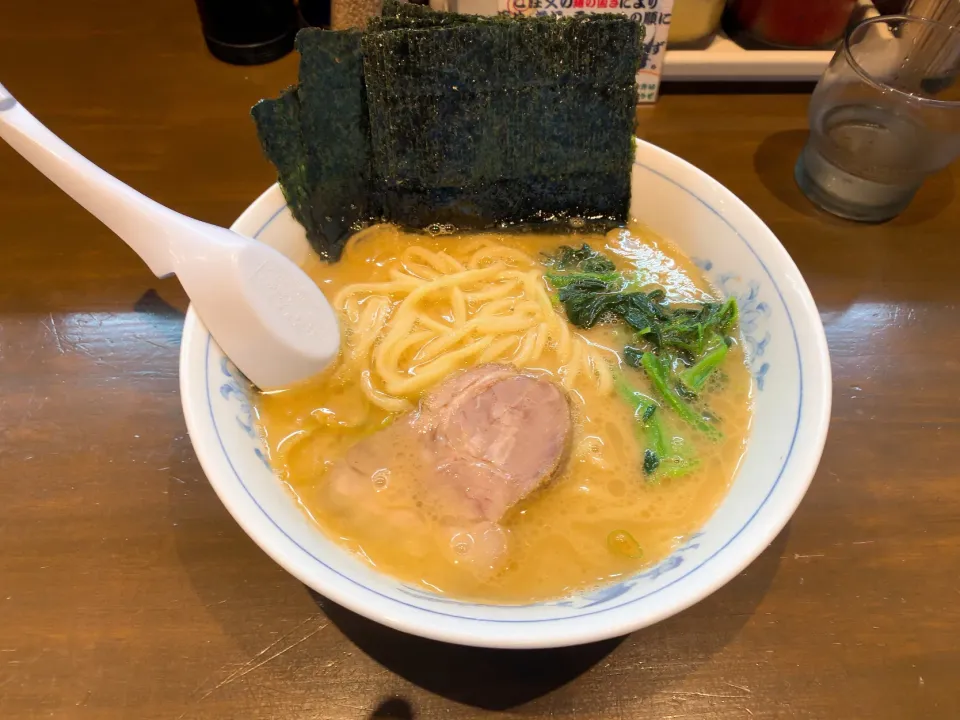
x: 788, y: 359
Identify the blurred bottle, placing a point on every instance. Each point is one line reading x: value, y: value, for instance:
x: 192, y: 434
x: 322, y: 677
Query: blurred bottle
x: 353, y: 13
x: 315, y: 12
x: 890, y: 7
x: 802, y: 24
x: 248, y: 32
x: 694, y: 21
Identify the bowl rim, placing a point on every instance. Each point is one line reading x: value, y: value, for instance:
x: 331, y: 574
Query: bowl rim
x: 552, y: 632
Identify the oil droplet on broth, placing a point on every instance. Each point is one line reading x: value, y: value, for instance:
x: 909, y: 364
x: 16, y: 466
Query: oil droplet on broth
x: 623, y: 543
x: 381, y: 479
x: 461, y: 543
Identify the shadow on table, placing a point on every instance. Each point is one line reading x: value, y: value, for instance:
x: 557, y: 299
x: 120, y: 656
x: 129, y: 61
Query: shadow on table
x: 153, y: 303
x: 221, y: 562
x: 777, y: 155
x: 484, y: 678
x: 393, y: 709
x: 504, y: 679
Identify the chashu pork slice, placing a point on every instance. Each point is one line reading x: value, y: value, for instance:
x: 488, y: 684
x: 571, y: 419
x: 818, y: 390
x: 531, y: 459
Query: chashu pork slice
x: 480, y: 442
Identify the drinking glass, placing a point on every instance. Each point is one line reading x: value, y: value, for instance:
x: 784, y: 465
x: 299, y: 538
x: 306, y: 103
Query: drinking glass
x: 885, y: 114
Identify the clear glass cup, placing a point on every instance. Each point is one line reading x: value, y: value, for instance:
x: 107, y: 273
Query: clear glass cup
x: 885, y: 114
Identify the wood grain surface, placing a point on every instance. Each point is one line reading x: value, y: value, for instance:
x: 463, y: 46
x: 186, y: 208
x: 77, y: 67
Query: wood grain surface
x: 127, y: 591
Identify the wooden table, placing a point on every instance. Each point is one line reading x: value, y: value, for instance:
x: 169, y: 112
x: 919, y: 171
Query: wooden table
x: 127, y: 591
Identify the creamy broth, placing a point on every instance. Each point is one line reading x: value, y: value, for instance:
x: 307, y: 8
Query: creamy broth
x: 559, y: 538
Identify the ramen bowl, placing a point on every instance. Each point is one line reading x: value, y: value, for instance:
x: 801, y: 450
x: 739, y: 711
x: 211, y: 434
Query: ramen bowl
x: 787, y: 357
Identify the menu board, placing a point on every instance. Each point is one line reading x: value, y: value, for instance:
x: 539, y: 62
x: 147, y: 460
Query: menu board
x: 654, y: 14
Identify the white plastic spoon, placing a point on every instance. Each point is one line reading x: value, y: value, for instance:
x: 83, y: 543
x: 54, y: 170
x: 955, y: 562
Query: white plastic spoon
x: 266, y: 314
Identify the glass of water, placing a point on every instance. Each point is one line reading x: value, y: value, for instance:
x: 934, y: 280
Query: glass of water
x: 885, y: 114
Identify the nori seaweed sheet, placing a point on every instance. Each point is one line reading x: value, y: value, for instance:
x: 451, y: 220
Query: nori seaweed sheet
x: 504, y: 120
x: 278, y: 127
x: 397, y: 15
x: 317, y: 136
x: 336, y: 137
x: 441, y: 118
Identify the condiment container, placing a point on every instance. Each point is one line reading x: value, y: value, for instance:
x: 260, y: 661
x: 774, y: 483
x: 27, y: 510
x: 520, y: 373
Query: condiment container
x: 248, y: 32
x: 801, y: 24
x: 694, y: 21
x: 315, y: 13
x: 353, y: 13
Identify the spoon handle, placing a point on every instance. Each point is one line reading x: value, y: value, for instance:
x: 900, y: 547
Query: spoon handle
x: 151, y: 230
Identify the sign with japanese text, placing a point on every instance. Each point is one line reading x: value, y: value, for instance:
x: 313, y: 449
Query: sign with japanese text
x: 654, y: 14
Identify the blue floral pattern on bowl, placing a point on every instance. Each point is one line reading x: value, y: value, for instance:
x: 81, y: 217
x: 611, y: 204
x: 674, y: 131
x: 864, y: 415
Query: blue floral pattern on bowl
x: 589, y: 599
x: 236, y: 389
x: 754, y: 313
x: 612, y: 592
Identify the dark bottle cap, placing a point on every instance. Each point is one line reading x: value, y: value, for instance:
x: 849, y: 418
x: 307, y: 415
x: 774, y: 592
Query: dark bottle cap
x: 315, y: 12
x: 253, y: 54
x: 248, y: 32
